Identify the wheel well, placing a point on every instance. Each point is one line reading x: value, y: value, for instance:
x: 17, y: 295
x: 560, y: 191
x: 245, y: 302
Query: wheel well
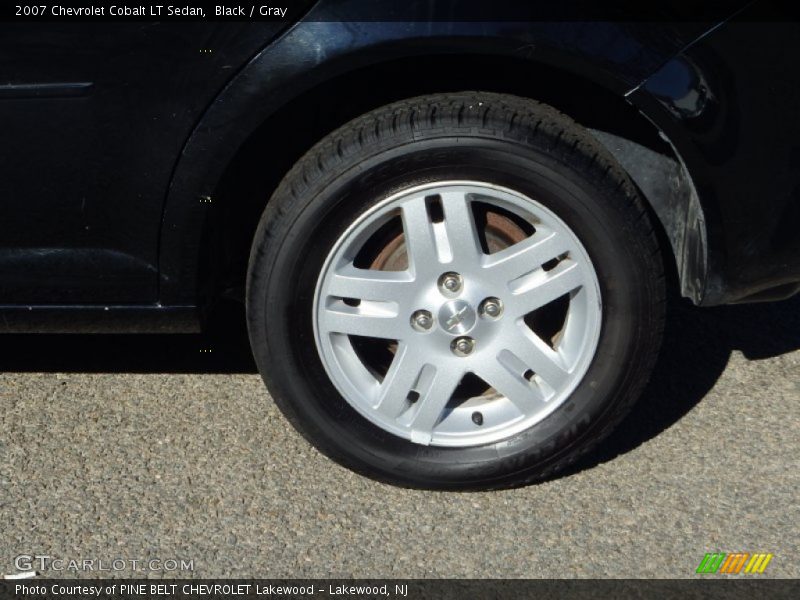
x: 271, y: 150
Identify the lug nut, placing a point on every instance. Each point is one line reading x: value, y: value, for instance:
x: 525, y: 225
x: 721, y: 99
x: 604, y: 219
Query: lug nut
x: 491, y: 308
x: 462, y: 346
x: 422, y: 320
x: 450, y: 283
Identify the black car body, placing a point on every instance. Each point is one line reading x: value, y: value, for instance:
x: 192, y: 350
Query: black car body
x: 124, y: 143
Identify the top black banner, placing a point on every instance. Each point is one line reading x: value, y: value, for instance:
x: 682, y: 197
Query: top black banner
x: 405, y: 10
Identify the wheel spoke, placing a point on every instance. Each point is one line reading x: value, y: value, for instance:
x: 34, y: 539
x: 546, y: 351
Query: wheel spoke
x: 525, y: 396
x: 370, y: 284
x: 460, y: 229
x: 419, y: 235
x: 545, y: 286
x: 525, y: 256
x: 437, y: 388
x: 399, y: 381
x: 367, y: 319
x: 537, y: 356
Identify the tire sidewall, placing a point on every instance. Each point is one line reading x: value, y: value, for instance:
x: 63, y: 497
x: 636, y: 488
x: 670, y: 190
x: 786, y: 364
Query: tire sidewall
x: 283, y: 338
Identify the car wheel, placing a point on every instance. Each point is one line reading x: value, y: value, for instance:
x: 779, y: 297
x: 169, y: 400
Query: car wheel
x: 456, y: 291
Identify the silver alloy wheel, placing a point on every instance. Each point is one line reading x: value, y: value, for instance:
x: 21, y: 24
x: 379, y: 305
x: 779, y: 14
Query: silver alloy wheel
x: 471, y: 376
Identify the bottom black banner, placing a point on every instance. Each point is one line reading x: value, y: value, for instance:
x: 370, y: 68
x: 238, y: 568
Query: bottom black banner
x: 460, y: 589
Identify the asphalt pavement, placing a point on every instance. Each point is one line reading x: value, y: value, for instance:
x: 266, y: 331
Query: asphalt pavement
x: 166, y: 448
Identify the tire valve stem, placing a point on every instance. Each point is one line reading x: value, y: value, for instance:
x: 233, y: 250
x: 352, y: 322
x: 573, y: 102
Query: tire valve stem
x: 477, y: 418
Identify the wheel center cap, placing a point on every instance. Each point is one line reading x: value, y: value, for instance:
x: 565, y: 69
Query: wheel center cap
x: 457, y: 317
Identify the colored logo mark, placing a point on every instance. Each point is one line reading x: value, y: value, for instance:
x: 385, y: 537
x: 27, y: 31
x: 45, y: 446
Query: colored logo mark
x: 737, y: 562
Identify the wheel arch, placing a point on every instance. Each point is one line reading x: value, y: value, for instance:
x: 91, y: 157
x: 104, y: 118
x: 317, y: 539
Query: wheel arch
x: 325, y: 74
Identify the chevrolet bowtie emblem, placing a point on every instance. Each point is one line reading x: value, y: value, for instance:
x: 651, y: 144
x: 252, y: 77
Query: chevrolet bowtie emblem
x: 456, y: 319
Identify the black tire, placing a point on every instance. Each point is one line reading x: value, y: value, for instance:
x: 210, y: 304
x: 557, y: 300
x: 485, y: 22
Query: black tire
x: 506, y: 140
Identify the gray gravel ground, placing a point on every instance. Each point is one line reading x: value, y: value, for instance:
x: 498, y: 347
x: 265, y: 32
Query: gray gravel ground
x: 146, y: 447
